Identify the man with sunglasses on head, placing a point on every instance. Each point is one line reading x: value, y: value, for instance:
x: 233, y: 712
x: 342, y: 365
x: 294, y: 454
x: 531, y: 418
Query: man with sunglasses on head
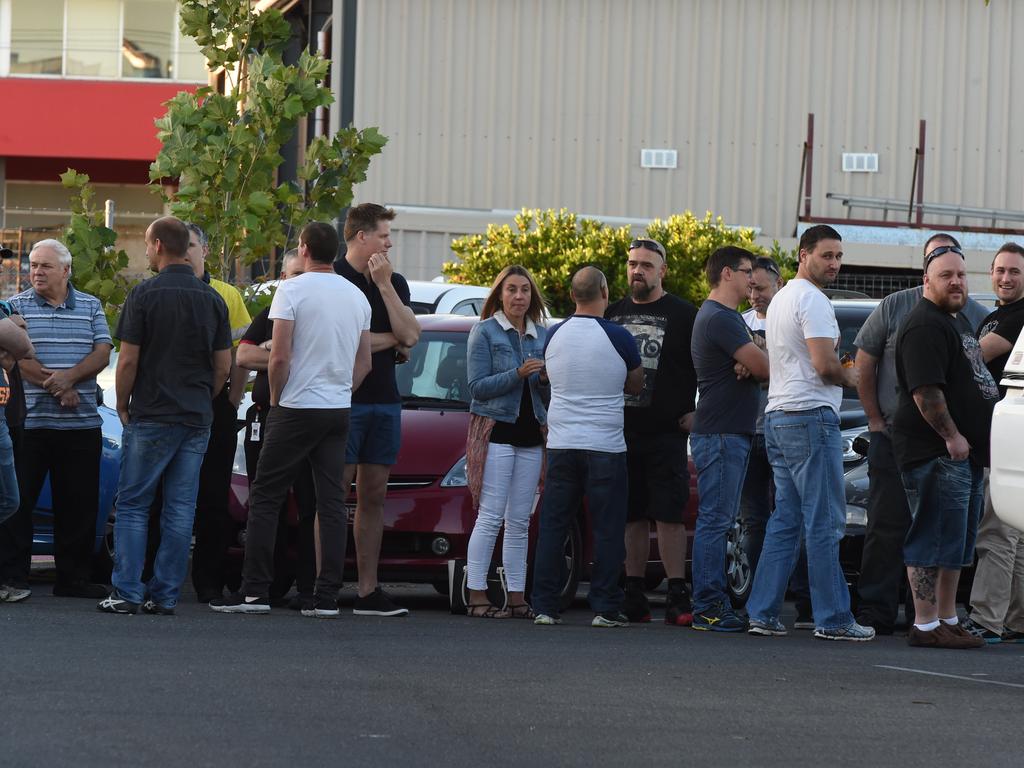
x: 881, y: 571
x: 656, y: 423
x: 941, y: 443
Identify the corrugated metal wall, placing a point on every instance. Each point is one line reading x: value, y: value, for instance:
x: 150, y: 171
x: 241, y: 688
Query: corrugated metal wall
x: 513, y: 103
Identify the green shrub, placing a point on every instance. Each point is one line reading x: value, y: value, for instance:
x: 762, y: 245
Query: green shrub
x: 554, y: 244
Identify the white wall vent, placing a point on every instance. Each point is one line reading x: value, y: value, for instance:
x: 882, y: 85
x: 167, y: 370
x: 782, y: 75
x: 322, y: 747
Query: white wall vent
x: 860, y: 162
x: 658, y: 158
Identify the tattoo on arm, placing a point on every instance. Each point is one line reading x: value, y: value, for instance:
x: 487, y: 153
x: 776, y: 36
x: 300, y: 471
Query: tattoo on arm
x: 932, y: 405
x: 922, y: 582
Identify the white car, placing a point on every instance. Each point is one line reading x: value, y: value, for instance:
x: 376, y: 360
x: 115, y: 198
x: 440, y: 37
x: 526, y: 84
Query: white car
x: 1006, y: 481
x: 437, y: 298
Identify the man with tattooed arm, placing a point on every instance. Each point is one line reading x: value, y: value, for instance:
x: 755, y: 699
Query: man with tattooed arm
x: 941, y: 442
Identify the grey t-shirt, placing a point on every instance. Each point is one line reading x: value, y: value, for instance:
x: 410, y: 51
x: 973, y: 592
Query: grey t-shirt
x: 877, y: 337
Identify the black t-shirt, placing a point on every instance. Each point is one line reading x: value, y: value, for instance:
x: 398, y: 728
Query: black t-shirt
x: 1007, y: 322
x: 524, y: 432
x: 662, y: 330
x: 379, y: 386
x: 261, y: 329
x: 727, y: 405
x: 178, y: 322
x: 936, y: 348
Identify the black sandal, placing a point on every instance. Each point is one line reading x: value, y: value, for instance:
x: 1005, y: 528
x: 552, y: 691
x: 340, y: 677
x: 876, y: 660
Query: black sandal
x: 521, y: 611
x: 491, y: 612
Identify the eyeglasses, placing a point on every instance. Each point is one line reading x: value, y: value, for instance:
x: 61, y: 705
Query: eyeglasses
x: 650, y: 245
x: 748, y: 271
x: 939, y: 251
x: 768, y: 265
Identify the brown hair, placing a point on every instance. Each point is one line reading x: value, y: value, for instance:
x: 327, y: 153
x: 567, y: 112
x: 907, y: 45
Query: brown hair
x: 536, y: 310
x: 730, y: 256
x: 172, y: 234
x: 364, y: 218
x: 322, y: 241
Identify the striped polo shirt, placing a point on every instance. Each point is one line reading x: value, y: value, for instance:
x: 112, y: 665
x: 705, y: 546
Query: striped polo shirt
x: 62, y: 335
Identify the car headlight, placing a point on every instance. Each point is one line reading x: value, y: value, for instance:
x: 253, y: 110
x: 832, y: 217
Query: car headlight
x: 848, y: 436
x: 456, y: 477
x: 856, y: 515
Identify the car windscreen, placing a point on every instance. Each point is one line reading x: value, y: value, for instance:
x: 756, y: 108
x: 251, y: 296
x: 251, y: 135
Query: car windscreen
x: 435, y: 376
x: 850, y: 319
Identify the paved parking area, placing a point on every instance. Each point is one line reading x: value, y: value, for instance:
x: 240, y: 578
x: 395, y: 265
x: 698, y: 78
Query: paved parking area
x: 208, y: 689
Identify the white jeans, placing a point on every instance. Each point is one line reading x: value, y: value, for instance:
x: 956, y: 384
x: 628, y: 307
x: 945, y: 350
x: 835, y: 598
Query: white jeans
x: 507, y: 495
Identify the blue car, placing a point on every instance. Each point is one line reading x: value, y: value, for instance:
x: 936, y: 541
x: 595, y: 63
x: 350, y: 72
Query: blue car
x: 110, y: 463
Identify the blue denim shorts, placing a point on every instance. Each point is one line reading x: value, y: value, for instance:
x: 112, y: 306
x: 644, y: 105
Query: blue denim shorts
x: 946, y: 499
x: 374, y: 433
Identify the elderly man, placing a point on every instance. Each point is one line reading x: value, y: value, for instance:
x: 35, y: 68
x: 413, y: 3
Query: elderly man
x: 590, y: 361
x: 62, y: 426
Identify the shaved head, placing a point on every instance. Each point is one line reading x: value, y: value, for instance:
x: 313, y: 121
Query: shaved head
x: 589, y: 284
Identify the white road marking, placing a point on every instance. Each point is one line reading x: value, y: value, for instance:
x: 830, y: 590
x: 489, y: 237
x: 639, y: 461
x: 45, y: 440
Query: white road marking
x: 954, y: 677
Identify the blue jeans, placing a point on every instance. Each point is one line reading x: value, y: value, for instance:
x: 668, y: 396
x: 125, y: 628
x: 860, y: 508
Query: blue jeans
x: 151, y: 451
x: 721, y: 462
x: 806, y: 453
x: 570, y: 475
x: 946, y: 498
x: 10, y: 499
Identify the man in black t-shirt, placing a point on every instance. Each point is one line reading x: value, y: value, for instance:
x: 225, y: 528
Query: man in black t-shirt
x: 375, y: 428
x: 997, y: 595
x: 254, y: 355
x: 940, y: 439
x: 656, y: 423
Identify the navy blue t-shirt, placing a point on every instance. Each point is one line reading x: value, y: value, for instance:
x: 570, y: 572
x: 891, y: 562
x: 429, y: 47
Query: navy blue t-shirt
x: 726, y: 405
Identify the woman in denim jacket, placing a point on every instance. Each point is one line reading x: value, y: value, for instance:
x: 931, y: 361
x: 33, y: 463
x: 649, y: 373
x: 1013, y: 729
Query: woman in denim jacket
x: 505, y: 447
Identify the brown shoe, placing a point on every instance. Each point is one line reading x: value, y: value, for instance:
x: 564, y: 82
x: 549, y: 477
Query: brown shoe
x: 968, y: 640
x: 943, y: 636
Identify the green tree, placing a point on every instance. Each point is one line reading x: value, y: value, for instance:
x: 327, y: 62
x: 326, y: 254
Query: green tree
x: 554, y: 244
x: 225, y: 150
x: 98, y: 266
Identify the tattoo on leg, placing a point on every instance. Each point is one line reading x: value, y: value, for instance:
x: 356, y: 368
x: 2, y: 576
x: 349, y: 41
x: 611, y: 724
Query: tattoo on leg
x: 922, y: 582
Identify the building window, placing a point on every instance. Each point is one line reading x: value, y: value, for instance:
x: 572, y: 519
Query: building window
x: 98, y: 39
x: 37, y: 37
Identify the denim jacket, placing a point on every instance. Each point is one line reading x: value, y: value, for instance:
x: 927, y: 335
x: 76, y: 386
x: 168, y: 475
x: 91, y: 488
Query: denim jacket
x: 496, y: 350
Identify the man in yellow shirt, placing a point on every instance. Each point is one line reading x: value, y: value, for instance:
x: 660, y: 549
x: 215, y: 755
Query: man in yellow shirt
x: 211, y: 526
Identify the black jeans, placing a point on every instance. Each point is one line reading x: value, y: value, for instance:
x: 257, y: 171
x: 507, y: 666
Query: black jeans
x: 72, y: 459
x: 292, y: 436
x: 881, y: 570
x: 304, y: 575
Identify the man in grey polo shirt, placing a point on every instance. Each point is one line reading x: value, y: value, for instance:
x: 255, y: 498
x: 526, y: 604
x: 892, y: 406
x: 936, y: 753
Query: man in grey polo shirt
x: 882, y: 570
x: 62, y: 426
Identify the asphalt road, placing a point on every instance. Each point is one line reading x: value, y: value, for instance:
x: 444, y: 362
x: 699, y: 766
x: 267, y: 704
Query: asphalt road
x: 87, y: 689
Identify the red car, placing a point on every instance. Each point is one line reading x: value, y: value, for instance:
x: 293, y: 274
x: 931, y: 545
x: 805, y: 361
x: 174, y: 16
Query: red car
x: 428, y: 513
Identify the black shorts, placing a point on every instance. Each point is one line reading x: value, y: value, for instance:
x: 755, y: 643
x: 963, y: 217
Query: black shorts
x: 659, y: 478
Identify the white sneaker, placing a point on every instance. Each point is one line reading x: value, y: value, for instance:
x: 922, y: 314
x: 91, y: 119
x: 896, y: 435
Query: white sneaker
x: 542, y: 619
x: 12, y: 594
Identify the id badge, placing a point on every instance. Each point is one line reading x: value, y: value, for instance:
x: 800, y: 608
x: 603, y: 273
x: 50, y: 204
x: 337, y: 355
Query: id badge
x: 254, y: 434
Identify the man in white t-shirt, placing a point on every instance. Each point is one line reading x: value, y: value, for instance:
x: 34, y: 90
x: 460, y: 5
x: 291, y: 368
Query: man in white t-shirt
x: 804, y: 447
x: 589, y: 361
x: 320, y: 352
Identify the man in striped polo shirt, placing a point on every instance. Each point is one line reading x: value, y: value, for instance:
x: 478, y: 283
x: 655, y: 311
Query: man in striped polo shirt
x: 62, y: 426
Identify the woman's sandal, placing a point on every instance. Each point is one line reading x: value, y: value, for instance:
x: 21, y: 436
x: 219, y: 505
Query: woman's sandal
x: 521, y: 611
x: 489, y: 612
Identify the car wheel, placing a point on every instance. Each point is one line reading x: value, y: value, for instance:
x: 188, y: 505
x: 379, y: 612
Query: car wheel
x: 573, y: 565
x: 739, y: 576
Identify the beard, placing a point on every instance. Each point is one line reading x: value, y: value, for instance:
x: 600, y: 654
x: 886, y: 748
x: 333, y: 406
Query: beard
x: 952, y: 302
x: 640, y: 290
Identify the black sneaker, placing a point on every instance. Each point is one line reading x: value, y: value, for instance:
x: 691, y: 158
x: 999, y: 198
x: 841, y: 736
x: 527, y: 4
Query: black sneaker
x: 804, y: 617
x: 610, y: 619
x: 114, y: 603
x: 377, y: 603
x: 303, y: 603
x: 977, y: 630
x: 678, y: 610
x: 79, y: 589
x: 239, y: 603
x: 155, y: 609
x: 718, y: 618
x: 636, y: 606
x: 321, y: 608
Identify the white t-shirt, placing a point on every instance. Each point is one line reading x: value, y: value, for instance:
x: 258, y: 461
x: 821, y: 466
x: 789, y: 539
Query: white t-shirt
x: 798, y: 312
x: 330, y: 314
x: 754, y: 322
x: 586, y: 360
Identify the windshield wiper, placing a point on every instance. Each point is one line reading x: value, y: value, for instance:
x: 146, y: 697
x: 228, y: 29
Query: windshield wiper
x: 440, y: 402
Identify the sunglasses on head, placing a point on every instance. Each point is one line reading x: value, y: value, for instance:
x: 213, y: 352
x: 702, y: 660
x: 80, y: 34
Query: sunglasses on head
x: 933, y: 255
x: 763, y: 262
x: 650, y: 245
